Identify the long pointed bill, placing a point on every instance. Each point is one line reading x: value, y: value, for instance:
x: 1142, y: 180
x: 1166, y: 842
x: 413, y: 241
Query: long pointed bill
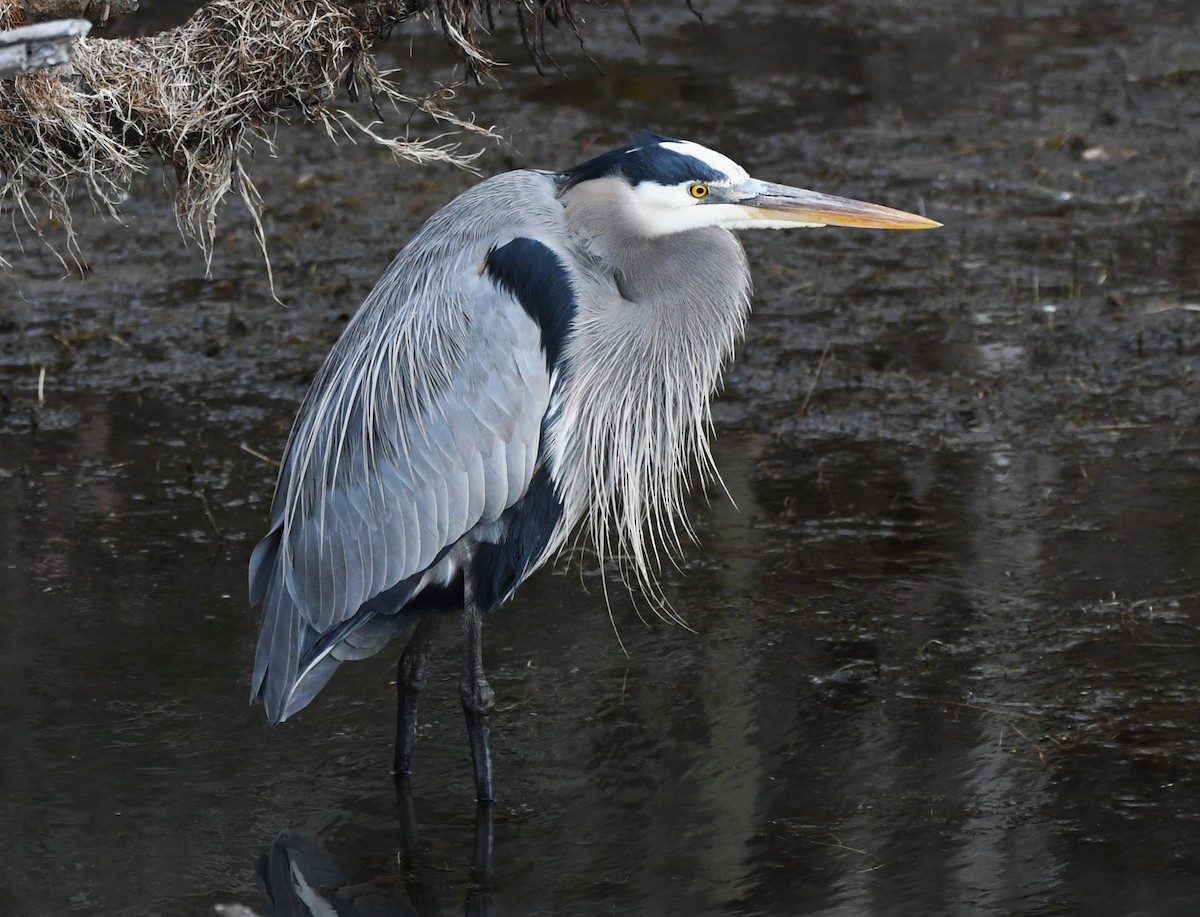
x: 780, y: 204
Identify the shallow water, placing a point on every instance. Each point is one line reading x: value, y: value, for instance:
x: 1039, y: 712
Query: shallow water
x: 944, y: 654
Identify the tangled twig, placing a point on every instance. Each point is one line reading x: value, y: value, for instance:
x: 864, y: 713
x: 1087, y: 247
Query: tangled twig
x: 197, y: 96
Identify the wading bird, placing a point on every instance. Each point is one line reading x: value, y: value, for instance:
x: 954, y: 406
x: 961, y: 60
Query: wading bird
x: 537, y: 362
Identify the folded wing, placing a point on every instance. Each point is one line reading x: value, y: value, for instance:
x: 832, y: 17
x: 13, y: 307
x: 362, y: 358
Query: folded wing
x: 421, y: 429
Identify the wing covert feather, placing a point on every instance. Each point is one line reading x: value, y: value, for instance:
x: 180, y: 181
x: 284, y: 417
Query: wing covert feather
x: 339, y: 542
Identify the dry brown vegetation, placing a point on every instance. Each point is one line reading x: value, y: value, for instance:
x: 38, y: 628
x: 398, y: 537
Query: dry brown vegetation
x: 198, y: 96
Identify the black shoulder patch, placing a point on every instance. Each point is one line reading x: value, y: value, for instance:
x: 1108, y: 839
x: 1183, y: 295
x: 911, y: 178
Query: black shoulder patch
x: 536, y: 276
x: 498, y: 569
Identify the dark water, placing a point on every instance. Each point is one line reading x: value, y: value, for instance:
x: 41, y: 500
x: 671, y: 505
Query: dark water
x: 945, y: 653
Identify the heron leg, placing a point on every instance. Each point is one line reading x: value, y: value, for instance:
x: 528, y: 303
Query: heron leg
x: 411, y: 674
x: 478, y: 700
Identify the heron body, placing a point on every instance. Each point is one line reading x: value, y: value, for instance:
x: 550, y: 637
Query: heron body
x: 536, y: 363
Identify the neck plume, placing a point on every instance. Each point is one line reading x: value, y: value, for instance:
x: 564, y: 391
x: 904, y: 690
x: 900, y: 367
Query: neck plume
x: 631, y: 424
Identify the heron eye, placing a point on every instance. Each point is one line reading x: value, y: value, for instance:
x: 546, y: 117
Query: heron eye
x: 699, y: 191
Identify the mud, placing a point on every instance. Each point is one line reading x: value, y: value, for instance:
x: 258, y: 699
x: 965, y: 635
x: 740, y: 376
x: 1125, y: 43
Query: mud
x: 945, y: 651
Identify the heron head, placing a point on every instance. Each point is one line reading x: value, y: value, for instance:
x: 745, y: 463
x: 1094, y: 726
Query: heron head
x: 678, y: 185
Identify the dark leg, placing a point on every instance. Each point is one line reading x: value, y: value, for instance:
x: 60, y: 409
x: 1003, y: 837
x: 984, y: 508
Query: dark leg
x: 478, y: 700
x: 410, y: 679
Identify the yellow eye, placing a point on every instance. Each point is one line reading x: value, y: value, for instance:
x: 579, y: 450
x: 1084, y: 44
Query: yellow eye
x: 699, y: 191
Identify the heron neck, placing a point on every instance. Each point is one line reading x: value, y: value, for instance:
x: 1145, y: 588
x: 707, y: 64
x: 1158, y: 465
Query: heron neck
x: 657, y: 320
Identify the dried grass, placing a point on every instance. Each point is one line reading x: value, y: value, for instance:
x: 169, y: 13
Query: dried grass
x: 198, y: 96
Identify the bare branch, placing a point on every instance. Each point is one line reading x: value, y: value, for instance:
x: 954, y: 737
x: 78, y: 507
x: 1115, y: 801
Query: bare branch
x: 36, y: 47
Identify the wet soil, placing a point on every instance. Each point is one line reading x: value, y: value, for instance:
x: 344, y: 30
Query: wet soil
x: 945, y: 651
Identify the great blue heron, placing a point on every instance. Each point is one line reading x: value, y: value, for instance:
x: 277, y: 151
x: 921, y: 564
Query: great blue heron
x: 538, y: 361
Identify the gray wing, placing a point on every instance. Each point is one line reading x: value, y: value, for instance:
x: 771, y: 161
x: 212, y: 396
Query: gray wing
x: 421, y: 428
